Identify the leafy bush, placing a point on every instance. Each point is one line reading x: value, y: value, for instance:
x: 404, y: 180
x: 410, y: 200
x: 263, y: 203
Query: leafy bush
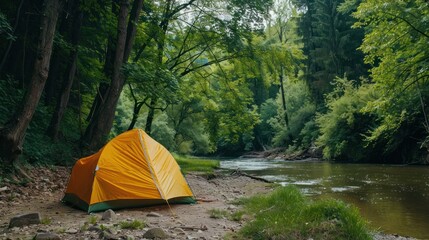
x: 301, y: 110
x: 343, y: 126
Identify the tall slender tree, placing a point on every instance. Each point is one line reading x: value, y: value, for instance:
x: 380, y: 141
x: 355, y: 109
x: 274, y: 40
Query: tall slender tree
x: 101, y: 123
x: 13, y: 133
x: 69, y: 75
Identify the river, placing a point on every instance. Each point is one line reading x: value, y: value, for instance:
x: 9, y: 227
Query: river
x: 394, y: 199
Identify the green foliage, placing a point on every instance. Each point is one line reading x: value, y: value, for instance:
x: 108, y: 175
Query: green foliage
x: 6, y: 30
x: 163, y: 132
x: 286, y: 214
x: 268, y: 110
x: 301, y: 110
x: 135, y: 224
x: 191, y: 164
x: 92, y: 219
x: 9, y: 101
x: 329, y: 43
x: 343, y: 126
x: 396, y: 45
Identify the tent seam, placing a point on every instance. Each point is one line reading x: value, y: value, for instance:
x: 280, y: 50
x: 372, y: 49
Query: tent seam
x: 154, y: 178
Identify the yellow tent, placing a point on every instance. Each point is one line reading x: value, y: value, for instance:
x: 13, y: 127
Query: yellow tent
x: 132, y: 170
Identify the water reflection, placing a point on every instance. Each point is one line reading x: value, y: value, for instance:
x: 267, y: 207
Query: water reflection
x: 393, y: 198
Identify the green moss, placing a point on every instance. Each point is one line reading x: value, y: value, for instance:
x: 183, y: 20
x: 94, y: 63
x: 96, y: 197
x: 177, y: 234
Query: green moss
x: 287, y: 214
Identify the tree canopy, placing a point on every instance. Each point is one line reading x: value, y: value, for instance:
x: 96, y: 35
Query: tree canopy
x: 347, y: 77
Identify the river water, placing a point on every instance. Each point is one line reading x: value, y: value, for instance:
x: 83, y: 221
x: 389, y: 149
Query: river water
x: 394, y: 199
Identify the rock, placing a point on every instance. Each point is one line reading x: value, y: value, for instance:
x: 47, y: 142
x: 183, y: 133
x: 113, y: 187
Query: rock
x: 24, y: 220
x: 154, y: 214
x: 107, y: 236
x: 71, y: 231
x: 47, y: 236
x: 108, y: 215
x: 180, y: 231
x: 4, y: 189
x: 155, y: 233
x: 232, y: 207
x: 94, y: 229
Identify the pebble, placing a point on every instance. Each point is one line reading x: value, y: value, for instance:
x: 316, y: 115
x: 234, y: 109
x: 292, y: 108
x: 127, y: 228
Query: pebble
x: 71, y: 231
x: 154, y: 214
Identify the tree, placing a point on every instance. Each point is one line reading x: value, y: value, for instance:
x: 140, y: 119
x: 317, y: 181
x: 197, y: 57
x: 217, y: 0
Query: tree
x: 101, y: 123
x: 396, y: 46
x: 69, y: 76
x: 329, y: 43
x: 13, y: 133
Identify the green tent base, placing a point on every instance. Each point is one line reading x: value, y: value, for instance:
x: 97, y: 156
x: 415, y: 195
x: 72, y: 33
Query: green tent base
x: 73, y: 200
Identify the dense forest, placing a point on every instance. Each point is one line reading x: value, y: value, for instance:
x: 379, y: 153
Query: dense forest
x: 349, y: 78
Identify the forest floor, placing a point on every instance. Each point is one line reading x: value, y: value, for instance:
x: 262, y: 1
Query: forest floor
x: 43, y: 195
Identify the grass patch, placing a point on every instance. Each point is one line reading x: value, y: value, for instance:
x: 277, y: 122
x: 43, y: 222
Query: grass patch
x: 135, y: 224
x: 236, y: 216
x: 287, y: 214
x: 224, y: 214
x: 190, y: 164
x: 46, y: 221
x: 93, y: 219
x: 218, y: 213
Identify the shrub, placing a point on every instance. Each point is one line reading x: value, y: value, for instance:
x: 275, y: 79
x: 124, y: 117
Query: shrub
x: 344, y: 125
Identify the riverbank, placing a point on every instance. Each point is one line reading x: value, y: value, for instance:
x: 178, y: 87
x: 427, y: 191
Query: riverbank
x: 180, y: 222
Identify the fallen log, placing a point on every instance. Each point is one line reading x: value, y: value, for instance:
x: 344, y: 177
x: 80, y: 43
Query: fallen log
x: 240, y: 173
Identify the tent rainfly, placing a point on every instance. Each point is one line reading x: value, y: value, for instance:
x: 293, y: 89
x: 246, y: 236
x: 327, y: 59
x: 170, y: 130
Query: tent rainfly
x: 132, y: 170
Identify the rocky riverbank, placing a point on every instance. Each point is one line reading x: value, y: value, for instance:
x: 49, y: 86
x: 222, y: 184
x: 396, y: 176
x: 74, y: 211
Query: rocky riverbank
x: 53, y: 220
x: 42, y: 196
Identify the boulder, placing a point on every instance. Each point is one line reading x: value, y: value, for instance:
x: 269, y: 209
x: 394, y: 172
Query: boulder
x: 47, y: 236
x: 25, y: 220
x: 155, y: 233
x: 108, y: 215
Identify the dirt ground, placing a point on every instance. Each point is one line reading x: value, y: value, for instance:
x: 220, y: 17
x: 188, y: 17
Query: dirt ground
x: 44, y: 193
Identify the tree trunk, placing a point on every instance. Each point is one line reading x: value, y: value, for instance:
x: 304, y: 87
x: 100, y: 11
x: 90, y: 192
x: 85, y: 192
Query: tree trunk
x: 99, y: 128
x: 63, y: 99
x: 150, y: 115
x: 137, y: 108
x: 108, y: 69
x: 13, y: 133
x: 282, y: 91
